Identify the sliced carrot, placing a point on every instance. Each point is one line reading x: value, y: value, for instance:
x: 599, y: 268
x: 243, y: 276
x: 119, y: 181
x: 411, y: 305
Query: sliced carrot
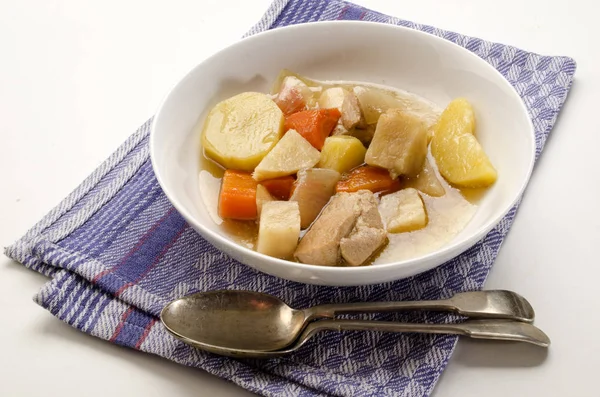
x: 314, y: 125
x: 370, y: 178
x: 237, y: 199
x: 290, y: 101
x: 280, y: 188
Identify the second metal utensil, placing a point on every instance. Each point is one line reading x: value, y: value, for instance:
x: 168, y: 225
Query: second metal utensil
x: 479, y: 329
x: 247, y: 320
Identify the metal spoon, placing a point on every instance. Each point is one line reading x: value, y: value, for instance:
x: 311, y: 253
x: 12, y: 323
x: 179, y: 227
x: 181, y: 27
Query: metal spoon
x: 229, y: 320
x: 505, y: 330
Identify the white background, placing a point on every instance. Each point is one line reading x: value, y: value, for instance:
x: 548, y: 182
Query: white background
x: 77, y: 77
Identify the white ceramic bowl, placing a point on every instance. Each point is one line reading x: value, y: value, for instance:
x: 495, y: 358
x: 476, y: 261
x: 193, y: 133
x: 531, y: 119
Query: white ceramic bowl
x: 399, y: 57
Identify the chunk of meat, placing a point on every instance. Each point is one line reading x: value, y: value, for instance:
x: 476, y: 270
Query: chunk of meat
x: 361, y: 244
x: 347, y: 215
x: 320, y: 244
x: 399, y: 144
x: 312, y: 190
x: 369, y: 213
x: 367, y: 236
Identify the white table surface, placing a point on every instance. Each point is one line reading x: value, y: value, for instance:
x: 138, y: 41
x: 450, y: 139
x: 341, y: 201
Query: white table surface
x: 77, y: 77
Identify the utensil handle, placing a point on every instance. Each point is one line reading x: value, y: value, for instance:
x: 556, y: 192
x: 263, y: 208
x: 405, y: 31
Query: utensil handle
x: 492, y: 304
x: 330, y: 310
x: 478, y: 329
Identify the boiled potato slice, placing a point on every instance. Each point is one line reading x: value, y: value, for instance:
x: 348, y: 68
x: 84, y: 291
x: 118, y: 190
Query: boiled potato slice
x: 427, y: 182
x: 403, y: 211
x: 343, y: 100
x: 342, y: 153
x: 240, y: 131
x: 459, y: 156
x: 399, y: 144
x: 279, y: 228
x: 291, y: 154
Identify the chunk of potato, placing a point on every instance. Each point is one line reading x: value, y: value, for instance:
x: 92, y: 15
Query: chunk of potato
x: 343, y: 100
x: 240, y: 131
x: 342, y: 153
x: 426, y: 182
x: 291, y: 154
x: 459, y: 156
x: 403, y: 211
x: 279, y: 229
x: 399, y: 144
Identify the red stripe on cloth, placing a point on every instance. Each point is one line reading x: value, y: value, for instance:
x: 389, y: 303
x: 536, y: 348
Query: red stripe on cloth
x: 343, y: 12
x: 121, y: 324
x: 145, y: 334
x: 97, y: 276
x: 156, y: 260
x: 123, y: 288
x: 135, y: 247
x: 362, y: 15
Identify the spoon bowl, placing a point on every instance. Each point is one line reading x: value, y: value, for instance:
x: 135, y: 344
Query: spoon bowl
x: 236, y: 319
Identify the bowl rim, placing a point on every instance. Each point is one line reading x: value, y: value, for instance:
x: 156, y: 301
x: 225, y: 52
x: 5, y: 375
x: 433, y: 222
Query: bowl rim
x: 449, y: 248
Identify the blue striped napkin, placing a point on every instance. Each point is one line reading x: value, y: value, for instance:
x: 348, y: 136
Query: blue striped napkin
x: 117, y: 252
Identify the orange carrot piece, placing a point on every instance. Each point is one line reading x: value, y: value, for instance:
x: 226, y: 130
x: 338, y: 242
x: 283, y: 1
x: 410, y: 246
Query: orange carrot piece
x: 290, y: 101
x: 280, y: 188
x: 370, y: 178
x: 237, y: 199
x: 314, y: 125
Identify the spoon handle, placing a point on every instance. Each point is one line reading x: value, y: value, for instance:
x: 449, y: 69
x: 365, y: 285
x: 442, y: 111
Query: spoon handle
x: 498, y: 304
x: 479, y: 329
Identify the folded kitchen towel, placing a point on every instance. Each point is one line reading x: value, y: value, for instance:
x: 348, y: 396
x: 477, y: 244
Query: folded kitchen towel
x: 117, y: 252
